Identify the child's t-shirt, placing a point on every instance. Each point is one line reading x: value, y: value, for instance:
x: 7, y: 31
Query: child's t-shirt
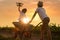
x: 41, y: 12
x: 21, y: 16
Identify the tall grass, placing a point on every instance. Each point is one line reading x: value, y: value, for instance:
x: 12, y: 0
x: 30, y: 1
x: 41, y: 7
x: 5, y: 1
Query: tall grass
x: 54, y: 29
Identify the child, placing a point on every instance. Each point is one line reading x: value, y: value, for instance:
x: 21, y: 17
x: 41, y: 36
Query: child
x: 45, y: 20
x: 22, y: 12
x: 19, y: 25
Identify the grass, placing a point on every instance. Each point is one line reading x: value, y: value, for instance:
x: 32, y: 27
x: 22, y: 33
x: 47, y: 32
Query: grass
x: 54, y: 29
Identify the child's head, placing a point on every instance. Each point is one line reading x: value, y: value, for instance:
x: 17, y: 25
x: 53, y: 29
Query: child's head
x: 40, y: 4
x: 24, y: 10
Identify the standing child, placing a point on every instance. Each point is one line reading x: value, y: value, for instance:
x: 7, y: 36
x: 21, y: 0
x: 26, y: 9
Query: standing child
x: 45, y: 20
x: 19, y: 25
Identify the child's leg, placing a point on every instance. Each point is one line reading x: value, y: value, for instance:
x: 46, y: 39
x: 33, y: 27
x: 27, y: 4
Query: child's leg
x: 41, y: 33
x: 49, y: 34
x: 45, y: 30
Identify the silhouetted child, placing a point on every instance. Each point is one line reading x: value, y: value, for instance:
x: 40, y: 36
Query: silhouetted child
x: 45, y: 20
x: 19, y: 24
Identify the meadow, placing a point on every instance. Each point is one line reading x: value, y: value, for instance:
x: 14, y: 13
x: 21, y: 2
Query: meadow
x: 10, y: 31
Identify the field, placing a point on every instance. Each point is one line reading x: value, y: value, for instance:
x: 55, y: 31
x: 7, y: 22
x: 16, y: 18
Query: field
x: 7, y: 33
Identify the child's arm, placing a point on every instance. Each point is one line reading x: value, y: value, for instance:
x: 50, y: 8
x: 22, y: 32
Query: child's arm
x: 19, y: 8
x: 19, y: 5
x: 33, y: 17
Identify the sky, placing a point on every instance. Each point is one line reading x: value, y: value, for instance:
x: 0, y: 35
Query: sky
x: 9, y: 12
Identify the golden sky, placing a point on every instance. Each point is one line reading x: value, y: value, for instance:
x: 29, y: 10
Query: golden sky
x: 9, y: 12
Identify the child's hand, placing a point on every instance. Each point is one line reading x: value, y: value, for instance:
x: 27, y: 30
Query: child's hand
x: 29, y: 22
x: 19, y: 4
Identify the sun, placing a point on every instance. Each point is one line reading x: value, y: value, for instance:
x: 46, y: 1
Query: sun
x: 25, y: 20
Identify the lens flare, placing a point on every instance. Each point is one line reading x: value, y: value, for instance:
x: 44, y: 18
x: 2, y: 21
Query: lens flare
x: 25, y: 20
